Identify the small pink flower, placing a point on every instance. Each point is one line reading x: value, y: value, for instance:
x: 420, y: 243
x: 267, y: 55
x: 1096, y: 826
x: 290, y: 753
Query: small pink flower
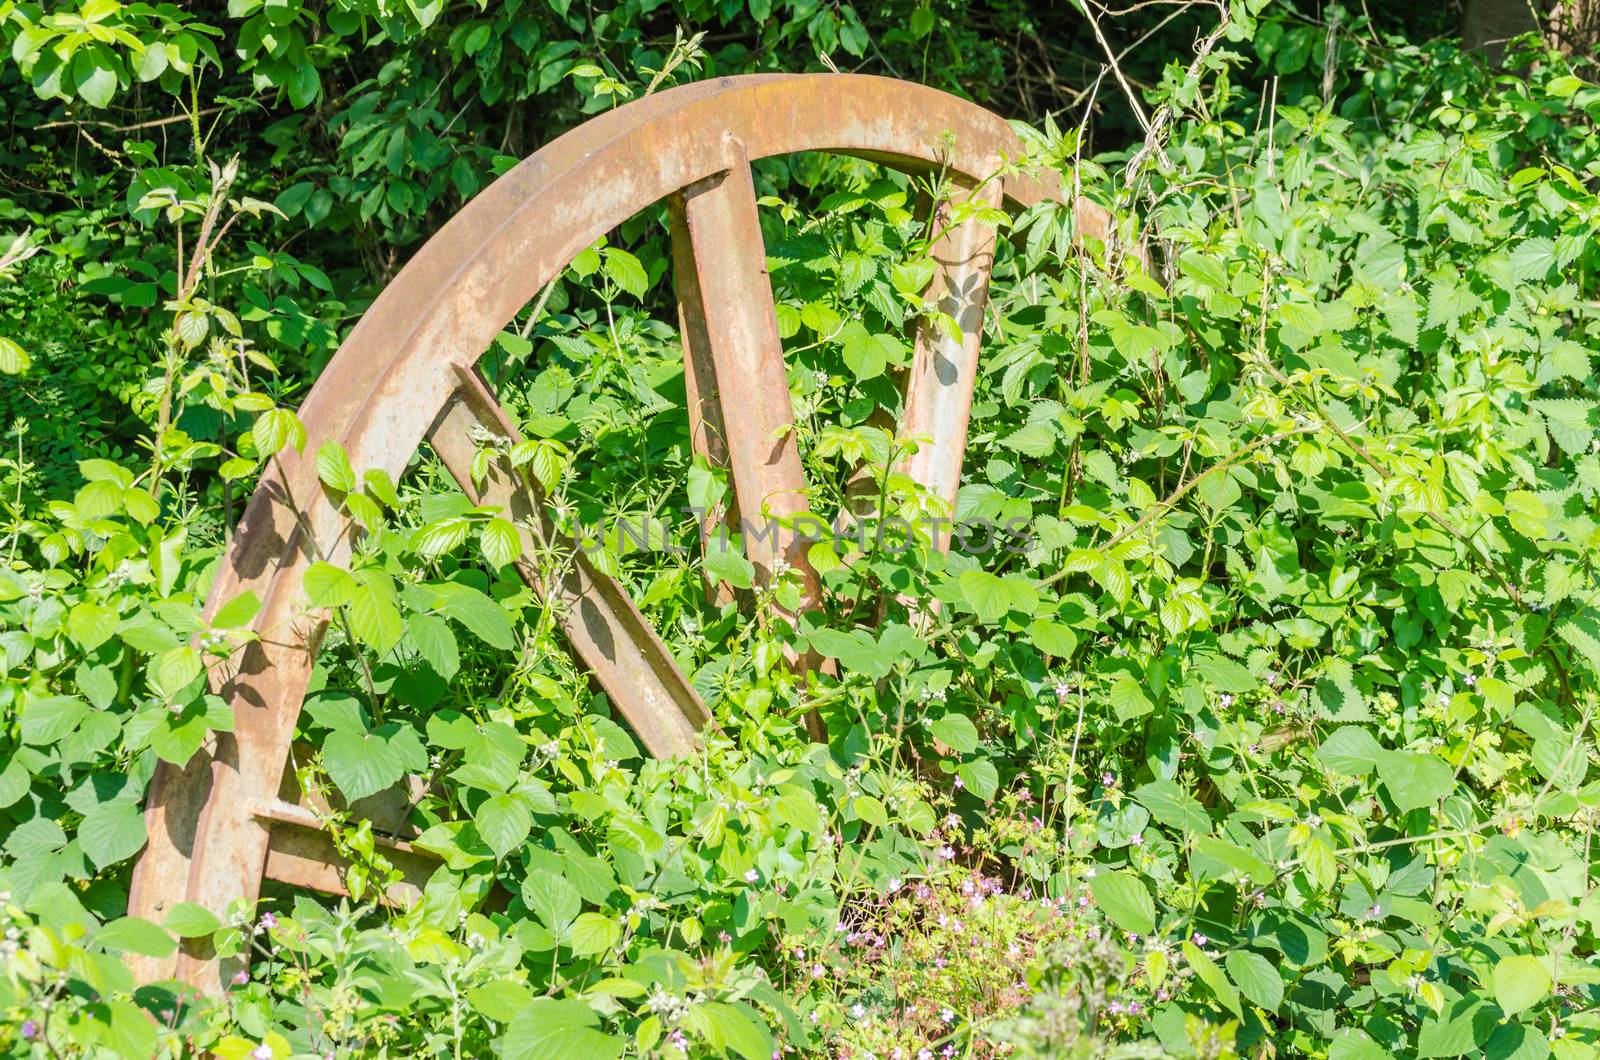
x: 268, y: 921
x: 818, y: 971
x: 261, y: 1052
x: 947, y: 853
x: 241, y: 977
x: 947, y: 1015
x: 1200, y: 940
x: 751, y: 876
x: 1138, y: 839
x: 959, y: 783
x: 1108, y: 779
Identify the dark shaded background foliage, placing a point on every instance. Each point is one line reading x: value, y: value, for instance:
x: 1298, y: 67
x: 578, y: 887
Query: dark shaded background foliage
x: 369, y: 131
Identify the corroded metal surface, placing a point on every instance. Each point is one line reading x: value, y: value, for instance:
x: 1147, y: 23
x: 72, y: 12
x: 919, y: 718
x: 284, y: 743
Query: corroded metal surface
x: 209, y: 841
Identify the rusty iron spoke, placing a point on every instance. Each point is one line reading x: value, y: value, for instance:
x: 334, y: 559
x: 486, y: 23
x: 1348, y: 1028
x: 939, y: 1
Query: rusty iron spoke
x: 944, y: 367
x: 731, y: 327
x: 601, y: 622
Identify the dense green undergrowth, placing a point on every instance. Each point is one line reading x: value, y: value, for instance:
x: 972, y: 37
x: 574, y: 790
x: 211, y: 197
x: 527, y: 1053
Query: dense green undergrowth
x: 1273, y: 735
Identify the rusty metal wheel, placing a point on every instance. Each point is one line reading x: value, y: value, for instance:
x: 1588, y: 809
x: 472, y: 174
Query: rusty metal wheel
x: 406, y: 374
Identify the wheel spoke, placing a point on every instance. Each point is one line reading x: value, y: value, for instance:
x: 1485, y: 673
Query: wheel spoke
x: 938, y: 399
x: 601, y: 622
x: 732, y: 350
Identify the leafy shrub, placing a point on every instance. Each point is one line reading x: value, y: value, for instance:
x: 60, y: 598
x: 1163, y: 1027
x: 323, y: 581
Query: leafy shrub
x: 1276, y: 736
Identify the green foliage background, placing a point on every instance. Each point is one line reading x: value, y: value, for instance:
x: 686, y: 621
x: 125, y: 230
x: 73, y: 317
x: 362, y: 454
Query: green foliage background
x: 1277, y: 739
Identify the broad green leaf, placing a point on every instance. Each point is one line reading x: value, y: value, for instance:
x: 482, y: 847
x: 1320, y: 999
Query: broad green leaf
x: 991, y: 597
x: 504, y: 821
x: 333, y: 468
x: 1256, y: 978
x: 1213, y: 976
x: 500, y: 542
x: 14, y: 359
x: 553, y: 900
x: 594, y: 933
x: 133, y: 934
x: 112, y: 832
x: 1520, y: 982
x: 1123, y: 897
x: 1173, y: 806
x: 980, y: 777
x: 734, y: 1029
x: 1414, y: 779
x: 549, y: 1028
x: 327, y: 585
x: 237, y: 612
x: 1351, y: 751
x: 91, y: 624
x: 500, y: 999
x: 957, y: 732
x: 190, y: 921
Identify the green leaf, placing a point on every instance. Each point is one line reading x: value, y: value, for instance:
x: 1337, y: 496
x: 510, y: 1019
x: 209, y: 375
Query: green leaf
x: 333, y: 468
x: 373, y: 613
x: 500, y: 542
x: 112, y: 832
x: 237, y: 612
x: 327, y: 585
x: 500, y: 999
x: 1257, y: 979
x: 1533, y: 259
x: 133, y: 934
x: 734, y: 1028
x: 1173, y: 806
x: 1053, y: 638
x: 1414, y: 779
x: 549, y: 1028
x: 276, y: 428
x: 361, y: 764
x: 870, y: 809
x: 1128, y: 698
x: 624, y: 270
x: 1213, y: 976
x: 1123, y: 897
x: 726, y: 563
x: 594, y: 933
x: 1520, y: 982
x: 481, y: 614
x: 1231, y: 856
x: 981, y: 777
x: 992, y: 597
x: 1351, y: 751
x: 444, y: 535
x: 1203, y: 268
x: 435, y: 642
x: 552, y: 899
x: 45, y: 720
x: 95, y: 82
x: 867, y: 354
x: 14, y: 359
x: 172, y: 670
x: 91, y: 624
x: 956, y: 732
x: 504, y: 821
x: 127, y: 1030
x: 190, y: 921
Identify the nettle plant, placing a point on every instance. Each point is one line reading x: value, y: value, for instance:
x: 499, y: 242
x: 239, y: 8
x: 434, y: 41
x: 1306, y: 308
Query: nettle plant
x: 1274, y: 733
